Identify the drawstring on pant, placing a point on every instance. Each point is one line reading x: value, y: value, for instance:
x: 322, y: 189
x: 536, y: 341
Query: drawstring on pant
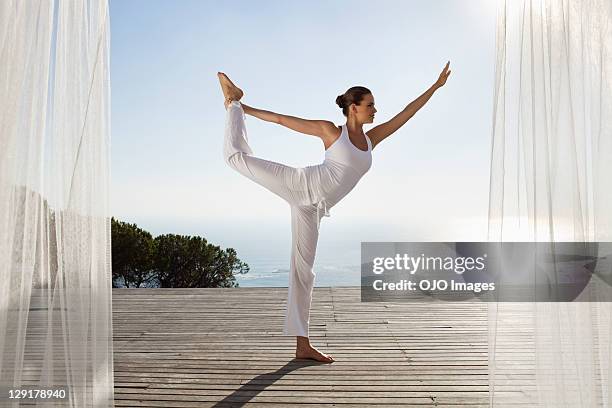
x: 321, y: 205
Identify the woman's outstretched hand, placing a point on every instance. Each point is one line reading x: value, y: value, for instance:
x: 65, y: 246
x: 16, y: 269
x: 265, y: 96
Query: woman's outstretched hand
x: 443, y: 76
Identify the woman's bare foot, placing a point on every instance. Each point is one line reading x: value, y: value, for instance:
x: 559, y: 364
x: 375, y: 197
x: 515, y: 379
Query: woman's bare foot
x: 313, y: 354
x: 230, y: 91
x: 305, y: 350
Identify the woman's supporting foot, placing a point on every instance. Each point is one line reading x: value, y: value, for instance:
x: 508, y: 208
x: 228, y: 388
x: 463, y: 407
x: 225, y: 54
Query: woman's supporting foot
x: 230, y: 91
x: 305, y: 350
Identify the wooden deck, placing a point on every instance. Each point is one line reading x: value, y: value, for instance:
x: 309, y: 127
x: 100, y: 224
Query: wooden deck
x: 224, y: 347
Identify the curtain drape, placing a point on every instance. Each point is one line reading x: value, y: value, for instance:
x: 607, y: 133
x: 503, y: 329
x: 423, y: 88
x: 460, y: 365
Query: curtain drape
x: 55, y: 277
x: 551, y: 181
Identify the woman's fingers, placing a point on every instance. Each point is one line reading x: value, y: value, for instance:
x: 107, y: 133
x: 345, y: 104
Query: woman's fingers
x: 446, y: 66
x: 444, y: 75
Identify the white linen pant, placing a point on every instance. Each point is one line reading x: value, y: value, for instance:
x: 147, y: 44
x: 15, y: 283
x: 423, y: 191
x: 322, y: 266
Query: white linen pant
x: 290, y: 184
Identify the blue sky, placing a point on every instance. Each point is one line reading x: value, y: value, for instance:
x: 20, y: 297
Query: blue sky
x: 429, y: 181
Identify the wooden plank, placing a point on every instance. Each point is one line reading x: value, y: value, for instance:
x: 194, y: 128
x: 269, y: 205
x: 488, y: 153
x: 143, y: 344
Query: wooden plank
x: 224, y: 347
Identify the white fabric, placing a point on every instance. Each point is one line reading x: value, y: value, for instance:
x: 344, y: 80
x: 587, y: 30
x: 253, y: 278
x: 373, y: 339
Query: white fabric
x: 55, y: 275
x: 310, y: 191
x: 551, y: 168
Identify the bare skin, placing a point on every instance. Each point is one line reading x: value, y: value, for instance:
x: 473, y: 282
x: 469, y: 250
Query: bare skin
x: 358, y: 115
x: 304, y: 349
x: 230, y: 91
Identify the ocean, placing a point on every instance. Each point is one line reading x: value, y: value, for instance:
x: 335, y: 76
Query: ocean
x: 275, y: 273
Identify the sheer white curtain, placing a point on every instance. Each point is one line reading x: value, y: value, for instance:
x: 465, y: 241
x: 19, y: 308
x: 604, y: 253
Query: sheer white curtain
x: 551, y: 180
x: 55, y: 277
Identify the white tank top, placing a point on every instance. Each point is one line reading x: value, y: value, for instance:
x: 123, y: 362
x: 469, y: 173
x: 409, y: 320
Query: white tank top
x: 343, y: 167
x: 343, y: 151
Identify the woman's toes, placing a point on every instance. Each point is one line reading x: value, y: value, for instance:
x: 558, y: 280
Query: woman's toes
x: 229, y: 88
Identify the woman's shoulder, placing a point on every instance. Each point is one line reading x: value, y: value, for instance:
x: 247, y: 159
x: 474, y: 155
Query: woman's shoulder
x: 331, y: 133
x: 330, y: 129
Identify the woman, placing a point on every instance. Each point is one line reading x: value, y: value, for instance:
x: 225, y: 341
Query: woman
x: 313, y: 190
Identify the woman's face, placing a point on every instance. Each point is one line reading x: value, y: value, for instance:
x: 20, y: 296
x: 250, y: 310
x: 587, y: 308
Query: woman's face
x: 365, y: 111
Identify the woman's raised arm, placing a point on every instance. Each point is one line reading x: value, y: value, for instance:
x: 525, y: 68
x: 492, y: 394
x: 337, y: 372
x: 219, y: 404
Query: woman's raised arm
x: 319, y: 128
x: 384, y: 130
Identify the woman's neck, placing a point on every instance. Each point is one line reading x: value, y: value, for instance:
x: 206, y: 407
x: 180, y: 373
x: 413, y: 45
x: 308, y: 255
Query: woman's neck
x: 353, y: 126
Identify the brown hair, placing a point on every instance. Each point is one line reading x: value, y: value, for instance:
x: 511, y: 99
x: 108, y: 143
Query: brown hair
x: 352, y: 95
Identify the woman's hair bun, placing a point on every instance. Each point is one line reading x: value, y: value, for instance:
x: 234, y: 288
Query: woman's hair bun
x: 352, y: 95
x: 340, y: 101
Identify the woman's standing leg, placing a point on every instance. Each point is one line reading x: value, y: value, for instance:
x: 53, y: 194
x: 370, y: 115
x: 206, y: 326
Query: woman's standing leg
x: 304, y: 237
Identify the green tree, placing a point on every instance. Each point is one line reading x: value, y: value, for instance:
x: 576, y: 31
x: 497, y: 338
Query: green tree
x: 170, y: 261
x: 191, y: 262
x: 132, y: 255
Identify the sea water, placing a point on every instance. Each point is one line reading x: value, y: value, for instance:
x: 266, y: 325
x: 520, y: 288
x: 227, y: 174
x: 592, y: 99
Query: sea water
x: 275, y: 272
